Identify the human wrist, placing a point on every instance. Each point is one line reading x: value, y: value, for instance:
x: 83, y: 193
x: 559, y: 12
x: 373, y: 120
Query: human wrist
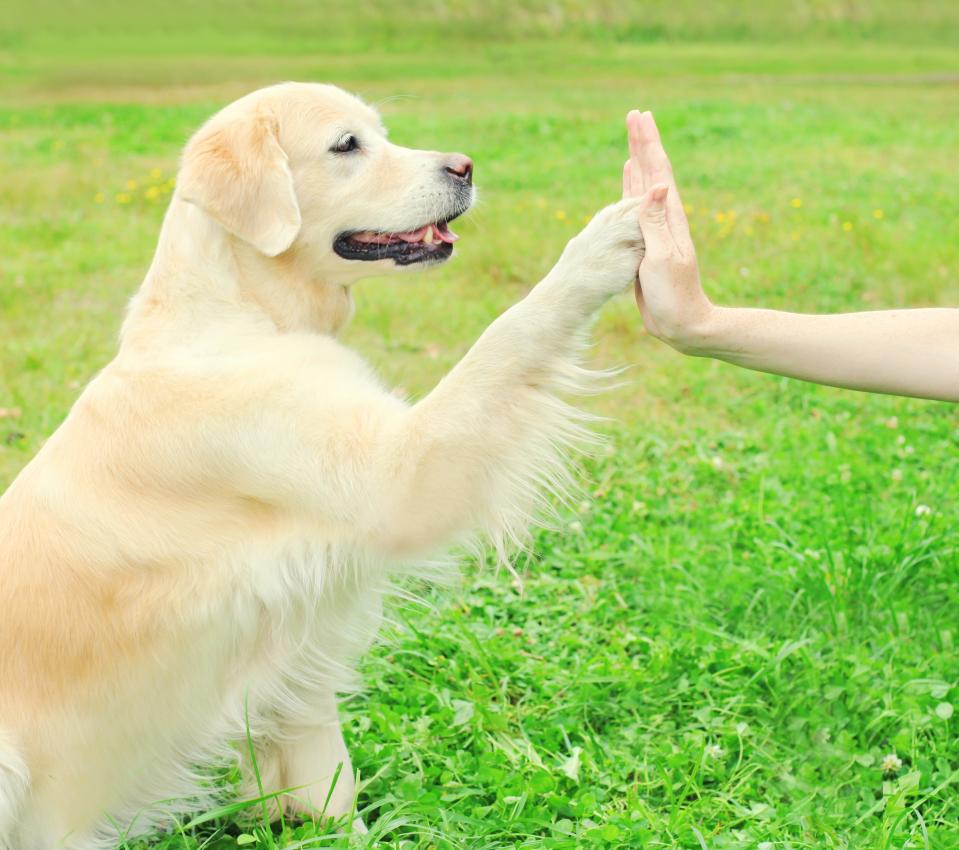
x: 701, y: 334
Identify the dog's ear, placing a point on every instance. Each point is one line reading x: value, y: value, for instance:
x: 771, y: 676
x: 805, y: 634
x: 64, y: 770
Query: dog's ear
x: 236, y: 172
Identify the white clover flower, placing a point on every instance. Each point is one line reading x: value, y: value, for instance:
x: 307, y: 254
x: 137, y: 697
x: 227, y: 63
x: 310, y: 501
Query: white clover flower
x: 584, y: 507
x: 891, y: 763
x: 576, y: 526
x: 923, y: 510
x: 897, y: 475
x: 717, y: 462
x: 714, y: 751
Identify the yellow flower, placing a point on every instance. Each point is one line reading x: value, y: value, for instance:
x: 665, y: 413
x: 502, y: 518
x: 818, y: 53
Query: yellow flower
x: 131, y: 184
x: 541, y: 203
x: 151, y: 193
x: 689, y: 209
x: 171, y: 182
x: 796, y: 202
x: 587, y: 219
x: 560, y: 215
x: 99, y: 198
x: 155, y: 173
x: 763, y: 217
x: 720, y: 217
x: 877, y: 213
x: 123, y: 198
x: 847, y: 226
x: 794, y: 236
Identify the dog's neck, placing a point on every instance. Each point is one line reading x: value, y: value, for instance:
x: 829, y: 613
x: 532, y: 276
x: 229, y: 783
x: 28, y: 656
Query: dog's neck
x: 202, y: 276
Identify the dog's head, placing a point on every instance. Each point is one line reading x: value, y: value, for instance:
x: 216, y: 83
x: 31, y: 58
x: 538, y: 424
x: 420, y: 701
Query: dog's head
x: 308, y: 167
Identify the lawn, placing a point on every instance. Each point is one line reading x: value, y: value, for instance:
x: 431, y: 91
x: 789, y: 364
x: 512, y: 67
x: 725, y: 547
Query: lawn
x: 745, y: 635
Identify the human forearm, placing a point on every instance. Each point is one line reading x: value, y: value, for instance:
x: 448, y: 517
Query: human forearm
x: 904, y: 352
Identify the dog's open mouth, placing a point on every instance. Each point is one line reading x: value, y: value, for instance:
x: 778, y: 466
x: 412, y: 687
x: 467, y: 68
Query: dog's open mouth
x: 429, y: 243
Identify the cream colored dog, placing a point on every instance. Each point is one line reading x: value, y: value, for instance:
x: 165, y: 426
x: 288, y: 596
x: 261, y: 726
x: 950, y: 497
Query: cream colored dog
x: 200, y: 551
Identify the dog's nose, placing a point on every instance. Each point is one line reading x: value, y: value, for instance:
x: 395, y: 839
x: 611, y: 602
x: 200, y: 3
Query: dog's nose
x: 461, y: 167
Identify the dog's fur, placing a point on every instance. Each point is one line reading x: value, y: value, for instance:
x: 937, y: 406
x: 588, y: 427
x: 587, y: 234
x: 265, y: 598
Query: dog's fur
x: 201, y: 549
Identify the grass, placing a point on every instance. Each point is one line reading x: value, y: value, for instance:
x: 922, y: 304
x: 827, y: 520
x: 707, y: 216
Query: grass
x: 756, y: 602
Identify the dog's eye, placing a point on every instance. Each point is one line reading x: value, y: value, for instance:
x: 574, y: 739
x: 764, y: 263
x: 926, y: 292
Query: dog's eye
x: 346, y: 143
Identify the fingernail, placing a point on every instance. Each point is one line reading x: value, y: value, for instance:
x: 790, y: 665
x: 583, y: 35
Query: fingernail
x: 658, y: 193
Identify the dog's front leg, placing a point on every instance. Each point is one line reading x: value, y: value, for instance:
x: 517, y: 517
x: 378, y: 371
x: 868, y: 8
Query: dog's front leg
x: 308, y: 759
x: 317, y: 767
x: 481, y: 449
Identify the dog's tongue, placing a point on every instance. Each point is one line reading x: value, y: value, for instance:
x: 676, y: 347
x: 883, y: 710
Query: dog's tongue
x: 440, y: 233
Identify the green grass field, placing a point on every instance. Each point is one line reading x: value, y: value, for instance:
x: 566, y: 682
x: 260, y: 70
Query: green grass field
x: 757, y: 602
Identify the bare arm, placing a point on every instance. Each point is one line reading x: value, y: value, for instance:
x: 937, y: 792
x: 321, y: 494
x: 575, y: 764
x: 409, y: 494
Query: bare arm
x: 904, y: 352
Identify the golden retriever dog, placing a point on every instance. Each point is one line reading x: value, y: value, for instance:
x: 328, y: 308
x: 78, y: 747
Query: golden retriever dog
x: 198, y: 555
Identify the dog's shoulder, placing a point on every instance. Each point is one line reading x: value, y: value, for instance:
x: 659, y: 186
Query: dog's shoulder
x: 209, y: 410
x: 231, y: 376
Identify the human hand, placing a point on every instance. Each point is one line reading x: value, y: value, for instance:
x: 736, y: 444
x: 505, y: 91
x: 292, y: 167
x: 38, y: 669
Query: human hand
x: 907, y: 352
x: 668, y: 291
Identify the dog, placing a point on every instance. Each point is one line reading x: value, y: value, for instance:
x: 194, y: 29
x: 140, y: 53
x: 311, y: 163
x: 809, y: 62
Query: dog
x: 192, y: 564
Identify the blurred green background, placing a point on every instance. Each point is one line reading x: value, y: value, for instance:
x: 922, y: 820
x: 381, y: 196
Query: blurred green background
x: 745, y: 636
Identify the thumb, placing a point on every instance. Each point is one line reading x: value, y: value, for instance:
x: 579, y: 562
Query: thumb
x: 652, y: 219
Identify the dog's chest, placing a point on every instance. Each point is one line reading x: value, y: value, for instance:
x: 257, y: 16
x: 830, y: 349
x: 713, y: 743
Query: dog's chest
x: 318, y: 608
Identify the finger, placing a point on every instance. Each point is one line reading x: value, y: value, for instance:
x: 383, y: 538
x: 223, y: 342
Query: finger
x: 657, y: 169
x: 654, y: 223
x: 647, y: 150
x: 637, y: 176
x: 627, y: 181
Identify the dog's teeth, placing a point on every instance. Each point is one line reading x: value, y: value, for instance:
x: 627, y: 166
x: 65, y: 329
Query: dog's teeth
x: 428, y: 238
